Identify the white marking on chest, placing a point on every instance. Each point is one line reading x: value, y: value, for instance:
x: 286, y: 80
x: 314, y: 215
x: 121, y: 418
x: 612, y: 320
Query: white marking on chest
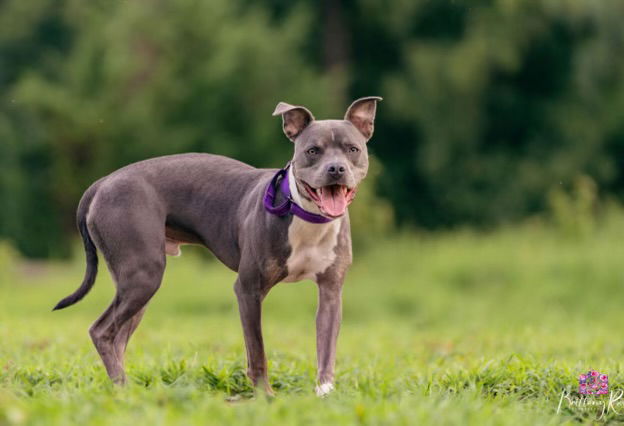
x: 312, y: 249
x: 312, y: 244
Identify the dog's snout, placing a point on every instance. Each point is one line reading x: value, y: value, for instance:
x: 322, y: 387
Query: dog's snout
x: 336, y: 170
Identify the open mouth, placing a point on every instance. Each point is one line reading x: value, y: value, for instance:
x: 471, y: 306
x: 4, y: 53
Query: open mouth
x: 331, y: 199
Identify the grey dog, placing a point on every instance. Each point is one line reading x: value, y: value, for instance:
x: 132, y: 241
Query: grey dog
x: 142, y: 212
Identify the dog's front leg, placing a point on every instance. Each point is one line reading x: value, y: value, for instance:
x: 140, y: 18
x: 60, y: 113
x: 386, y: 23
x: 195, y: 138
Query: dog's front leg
x: 328, y: 319
x: 250, y: 307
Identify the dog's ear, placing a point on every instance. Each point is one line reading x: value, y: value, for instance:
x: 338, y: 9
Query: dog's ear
x: 294, y: 119
x: 362, y: 114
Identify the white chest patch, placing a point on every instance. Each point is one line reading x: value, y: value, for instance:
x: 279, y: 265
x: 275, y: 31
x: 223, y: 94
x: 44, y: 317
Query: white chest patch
x: 312, y: 243
x: 312, y: 249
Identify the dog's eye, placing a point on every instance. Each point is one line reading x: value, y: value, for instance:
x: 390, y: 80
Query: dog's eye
x: 354, y: 149
x: 313, y: 151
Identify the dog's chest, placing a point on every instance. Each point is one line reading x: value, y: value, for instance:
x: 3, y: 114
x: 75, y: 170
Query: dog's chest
x: 312, y: 248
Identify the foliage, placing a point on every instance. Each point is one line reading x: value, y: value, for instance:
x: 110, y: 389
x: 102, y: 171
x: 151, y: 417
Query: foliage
x: 489, y: 105
x: 504, y: 100
x: 575, y: 212
x: 142, y: 80
x: 370, y: 216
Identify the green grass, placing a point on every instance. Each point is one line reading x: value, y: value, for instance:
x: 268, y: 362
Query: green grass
x: 460, y: 328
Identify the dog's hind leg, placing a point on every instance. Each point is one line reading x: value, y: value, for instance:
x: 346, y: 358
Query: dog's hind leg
x: 122, y: 338
x: 133, y: 243
x: 111, y: 332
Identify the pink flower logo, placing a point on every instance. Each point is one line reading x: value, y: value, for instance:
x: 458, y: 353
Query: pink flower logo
x: 593, y: 383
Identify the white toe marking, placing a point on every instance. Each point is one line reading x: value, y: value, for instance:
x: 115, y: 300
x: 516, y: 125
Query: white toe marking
x: 324, y: 389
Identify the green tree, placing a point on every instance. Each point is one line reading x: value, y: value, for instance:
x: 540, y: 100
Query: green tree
x: 500, y: 101
x: 143, y: 79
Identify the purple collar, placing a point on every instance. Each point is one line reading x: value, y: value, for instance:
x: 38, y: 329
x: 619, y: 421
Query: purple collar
x: 288, y: 206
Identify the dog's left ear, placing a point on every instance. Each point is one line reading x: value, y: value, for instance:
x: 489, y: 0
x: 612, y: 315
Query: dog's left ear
x: 362, y: 114
x: 294, y: 119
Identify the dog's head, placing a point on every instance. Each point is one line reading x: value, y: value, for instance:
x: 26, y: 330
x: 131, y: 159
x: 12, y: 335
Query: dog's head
x: 330, y: 157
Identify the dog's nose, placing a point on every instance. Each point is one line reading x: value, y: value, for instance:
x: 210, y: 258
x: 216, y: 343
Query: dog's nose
x: 336, y: 170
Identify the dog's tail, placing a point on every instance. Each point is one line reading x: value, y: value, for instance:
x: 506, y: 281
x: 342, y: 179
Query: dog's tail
x: 90, y: 250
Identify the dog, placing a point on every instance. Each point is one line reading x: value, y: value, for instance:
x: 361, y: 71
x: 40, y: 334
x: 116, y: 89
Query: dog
x: 268, y: 225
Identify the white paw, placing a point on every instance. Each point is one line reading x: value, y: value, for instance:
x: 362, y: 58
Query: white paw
x: 324, y: 389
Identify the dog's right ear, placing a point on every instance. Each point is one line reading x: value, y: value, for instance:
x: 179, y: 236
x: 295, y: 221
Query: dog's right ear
x: 294, y: 119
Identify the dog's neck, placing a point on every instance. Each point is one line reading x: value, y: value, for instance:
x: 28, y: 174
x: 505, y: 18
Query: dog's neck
x: 297, y: 197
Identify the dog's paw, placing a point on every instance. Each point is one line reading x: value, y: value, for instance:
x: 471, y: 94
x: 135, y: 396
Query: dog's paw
x: 324, y: 389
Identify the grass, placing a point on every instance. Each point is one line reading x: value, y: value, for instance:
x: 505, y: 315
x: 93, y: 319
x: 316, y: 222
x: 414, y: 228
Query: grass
x: 460, y: 328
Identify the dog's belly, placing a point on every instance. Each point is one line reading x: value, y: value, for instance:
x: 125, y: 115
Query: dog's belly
x: 312, y: 248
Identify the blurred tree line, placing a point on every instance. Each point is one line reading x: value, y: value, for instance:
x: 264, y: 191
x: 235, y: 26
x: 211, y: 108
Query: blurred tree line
x: 489, y: 104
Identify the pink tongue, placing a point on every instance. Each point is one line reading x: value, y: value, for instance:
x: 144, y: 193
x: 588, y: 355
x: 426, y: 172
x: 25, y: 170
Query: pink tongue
x: 333, y: 200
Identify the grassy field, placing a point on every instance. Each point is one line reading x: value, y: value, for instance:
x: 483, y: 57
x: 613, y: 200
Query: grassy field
x: 460, y: 328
